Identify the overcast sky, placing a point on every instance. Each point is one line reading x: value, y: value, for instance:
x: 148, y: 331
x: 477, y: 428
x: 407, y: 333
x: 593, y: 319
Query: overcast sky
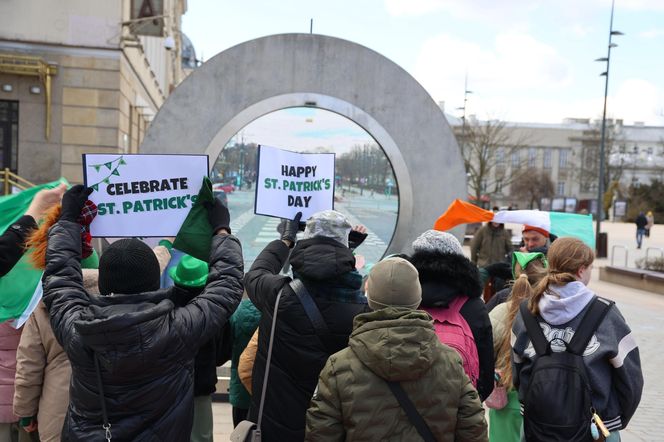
x: 526, y: 60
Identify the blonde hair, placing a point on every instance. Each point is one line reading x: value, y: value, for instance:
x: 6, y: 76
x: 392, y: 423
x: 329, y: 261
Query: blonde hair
x: 566, y: 257
x: 522, y: 289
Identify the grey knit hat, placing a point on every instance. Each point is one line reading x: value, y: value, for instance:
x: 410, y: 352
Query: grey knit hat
x: 393, y: 282
x: 330, y: 224
x: 436, y: 241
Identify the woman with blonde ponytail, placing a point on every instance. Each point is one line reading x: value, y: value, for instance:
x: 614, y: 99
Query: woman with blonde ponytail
x: 562, y: 305
x: 528, y: 269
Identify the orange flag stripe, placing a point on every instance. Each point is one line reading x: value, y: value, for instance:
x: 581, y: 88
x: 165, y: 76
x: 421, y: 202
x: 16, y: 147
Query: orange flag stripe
x: 461, y: 212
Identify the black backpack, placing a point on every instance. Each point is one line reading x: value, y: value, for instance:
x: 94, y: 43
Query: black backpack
x: 557, y: 404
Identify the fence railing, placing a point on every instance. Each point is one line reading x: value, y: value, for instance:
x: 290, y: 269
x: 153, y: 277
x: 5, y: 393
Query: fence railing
x: 9, y: 179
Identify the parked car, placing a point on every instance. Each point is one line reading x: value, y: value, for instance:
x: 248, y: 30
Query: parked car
x: 226, y: 187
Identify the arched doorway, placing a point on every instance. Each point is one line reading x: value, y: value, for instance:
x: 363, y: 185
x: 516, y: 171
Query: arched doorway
x: 291, y: 70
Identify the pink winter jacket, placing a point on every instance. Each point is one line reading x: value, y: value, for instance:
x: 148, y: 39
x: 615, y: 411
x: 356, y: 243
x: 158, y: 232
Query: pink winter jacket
x: 9, y: 339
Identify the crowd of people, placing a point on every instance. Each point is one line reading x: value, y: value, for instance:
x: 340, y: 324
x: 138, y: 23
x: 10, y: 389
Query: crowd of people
x: 318, y: 352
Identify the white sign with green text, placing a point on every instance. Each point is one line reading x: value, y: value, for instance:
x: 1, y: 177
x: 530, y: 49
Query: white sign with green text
x: 290, y: 182
x: 142, y: 195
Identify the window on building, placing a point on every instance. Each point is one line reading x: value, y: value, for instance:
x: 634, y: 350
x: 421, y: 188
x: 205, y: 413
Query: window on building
x: 500, y: 156
x: 649, y: 150
x: 532, y: 157
x: 483, y: 186
x: 635, y: 149
x: 547, y: 158
x: 562, y: 158
x: 622, y: 148
x: 560, y: 189
x: 9, y: 134
x: 516, y: 158
x: 499, y: 186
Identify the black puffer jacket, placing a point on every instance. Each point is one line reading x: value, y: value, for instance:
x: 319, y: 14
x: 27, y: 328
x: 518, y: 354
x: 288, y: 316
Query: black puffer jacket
x: 445, y: 276
x: 145, y: 345
x: 327, y: 269
x: 205, y: 361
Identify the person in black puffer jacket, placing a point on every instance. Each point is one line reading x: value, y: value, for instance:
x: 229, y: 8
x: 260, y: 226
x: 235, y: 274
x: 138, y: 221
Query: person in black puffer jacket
x: 446, y: 273
x: 134, y: 342
x: 326, y: 266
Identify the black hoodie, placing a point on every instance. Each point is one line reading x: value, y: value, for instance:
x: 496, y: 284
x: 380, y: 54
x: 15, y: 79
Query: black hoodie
x: 445, y: 276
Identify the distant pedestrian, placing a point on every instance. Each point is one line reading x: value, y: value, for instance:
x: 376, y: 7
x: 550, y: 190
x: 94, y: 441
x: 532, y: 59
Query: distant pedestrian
x: 641, y: 223
x: 651, y: 222
x: 394, y: 358
x: 490, y: 244
x: 566, y: 335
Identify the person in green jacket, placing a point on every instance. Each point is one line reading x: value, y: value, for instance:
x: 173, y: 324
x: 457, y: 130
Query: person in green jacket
x: 244, y: 323
x: 395, y: 343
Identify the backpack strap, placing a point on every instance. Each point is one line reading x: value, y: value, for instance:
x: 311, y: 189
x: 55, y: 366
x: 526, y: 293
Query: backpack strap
x: 594, y: 315
x: 269, y: 359
x: 457, y: 304
x: 540, y: 343
x: 414, y: 416
x: 310, y: 307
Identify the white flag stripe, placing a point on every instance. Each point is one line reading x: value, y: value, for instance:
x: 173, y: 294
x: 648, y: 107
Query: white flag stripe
x: 534, y: 218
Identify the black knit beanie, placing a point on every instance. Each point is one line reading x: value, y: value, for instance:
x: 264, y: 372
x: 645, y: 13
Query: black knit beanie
x: 128, y: 267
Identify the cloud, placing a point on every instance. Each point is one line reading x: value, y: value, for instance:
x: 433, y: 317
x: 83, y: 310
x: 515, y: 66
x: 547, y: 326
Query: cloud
x: 468, y: 9
x: 515, y: 62
x: 652, y: 33
x: 304, y: 129
x: 637, y: 99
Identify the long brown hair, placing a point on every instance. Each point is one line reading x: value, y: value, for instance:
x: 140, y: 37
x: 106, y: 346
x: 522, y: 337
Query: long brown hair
x: 566, y: 257
x: 534, y: 272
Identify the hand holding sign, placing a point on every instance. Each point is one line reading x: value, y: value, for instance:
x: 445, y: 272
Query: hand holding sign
x: 289, y: 228
x: 73, y: 201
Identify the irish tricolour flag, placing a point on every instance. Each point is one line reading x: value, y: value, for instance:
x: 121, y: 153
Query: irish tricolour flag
x: 20, y: 289
x: 560, y: 224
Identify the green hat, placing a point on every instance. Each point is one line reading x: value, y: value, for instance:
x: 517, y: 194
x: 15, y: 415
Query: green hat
x: 91, y: 262
x: 526, y: 258
x: 190, y: 272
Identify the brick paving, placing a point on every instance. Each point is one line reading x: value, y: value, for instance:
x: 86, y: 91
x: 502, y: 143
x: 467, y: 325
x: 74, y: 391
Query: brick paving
x: 644, y: 311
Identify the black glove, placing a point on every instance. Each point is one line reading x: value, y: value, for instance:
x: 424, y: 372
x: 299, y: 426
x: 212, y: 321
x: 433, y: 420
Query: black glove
x: 219, y: 216
x: 288, y: 228
x: 73, y: 201
x: 356, y: 238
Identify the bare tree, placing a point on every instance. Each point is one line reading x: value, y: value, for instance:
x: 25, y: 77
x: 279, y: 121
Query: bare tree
x: 532, y: 186
x: 487, y: 147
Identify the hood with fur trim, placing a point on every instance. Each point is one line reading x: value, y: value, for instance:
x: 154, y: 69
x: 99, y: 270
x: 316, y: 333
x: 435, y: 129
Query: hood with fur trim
x: 444, y: 276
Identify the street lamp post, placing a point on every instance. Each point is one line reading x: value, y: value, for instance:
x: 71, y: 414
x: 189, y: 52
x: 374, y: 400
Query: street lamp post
x: 600, y: 186
x: 463, y: 117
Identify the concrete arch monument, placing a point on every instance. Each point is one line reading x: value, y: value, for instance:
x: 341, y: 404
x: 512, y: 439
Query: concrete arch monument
x: 276, y: 72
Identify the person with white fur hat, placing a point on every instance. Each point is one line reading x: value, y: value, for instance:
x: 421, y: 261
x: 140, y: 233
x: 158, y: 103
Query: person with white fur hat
x: 394, y: 350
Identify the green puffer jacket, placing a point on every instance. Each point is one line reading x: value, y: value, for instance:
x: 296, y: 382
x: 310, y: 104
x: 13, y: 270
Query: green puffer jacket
x: 353, y: 401
x: 244, y: 323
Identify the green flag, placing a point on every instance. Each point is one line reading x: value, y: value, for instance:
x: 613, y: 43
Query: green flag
x: 195, y: 235
x: 20, y: 289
